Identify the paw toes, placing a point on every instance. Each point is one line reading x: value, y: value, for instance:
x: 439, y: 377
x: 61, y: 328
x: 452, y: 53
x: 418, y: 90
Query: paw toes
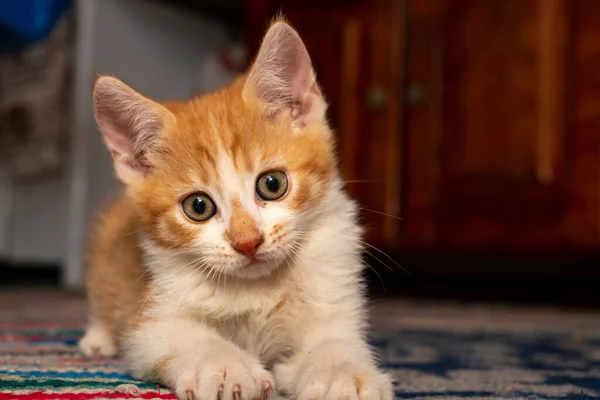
x: 346, y: 384
x: 237, y: 392
x: 375, y: 388
x: 185, y: 393
x: 266, y: 390
x: 210, y: 380
x: 97, y: 342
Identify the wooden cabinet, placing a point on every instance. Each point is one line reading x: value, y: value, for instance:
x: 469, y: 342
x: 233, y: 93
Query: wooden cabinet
x: 497, y: 156
x: 476, y: 121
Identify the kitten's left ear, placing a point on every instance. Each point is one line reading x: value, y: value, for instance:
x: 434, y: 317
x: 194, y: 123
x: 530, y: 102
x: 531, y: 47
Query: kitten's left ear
x: 131, y: 125
x: 282, y: 77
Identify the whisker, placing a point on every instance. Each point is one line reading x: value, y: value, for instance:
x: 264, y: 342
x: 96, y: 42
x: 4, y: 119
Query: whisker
x: 146, y: 271
x: 193, y: 262
x: 378, y: 276
x: 294, y: 252
x: 389, y: 258
x: 145, y: 300
x: 381, y: 262
x: 159, y: 259
x: 200, y: 268
x: 132, y: 232
x: 218, y: 278
x: 381, y: 213
x: 209, y: 276
x: 359, y: 181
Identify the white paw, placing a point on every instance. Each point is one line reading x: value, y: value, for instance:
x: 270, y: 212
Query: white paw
x: 344, y: 382
x: 219, y: 376
x: 97, y: 342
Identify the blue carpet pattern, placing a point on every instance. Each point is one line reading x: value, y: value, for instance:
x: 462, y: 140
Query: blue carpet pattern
x: 449, y: 351
x: 448, y: 365
x: 435, y: 351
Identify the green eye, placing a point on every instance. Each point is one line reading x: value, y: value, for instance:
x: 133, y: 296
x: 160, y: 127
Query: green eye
x: 198, y: 207
x: 272, y: 185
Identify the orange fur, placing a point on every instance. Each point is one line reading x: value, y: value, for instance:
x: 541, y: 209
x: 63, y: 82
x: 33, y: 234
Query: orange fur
x: 116, y: 280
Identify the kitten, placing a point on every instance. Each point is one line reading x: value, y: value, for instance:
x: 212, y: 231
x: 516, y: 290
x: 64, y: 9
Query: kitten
x: 230, y: 267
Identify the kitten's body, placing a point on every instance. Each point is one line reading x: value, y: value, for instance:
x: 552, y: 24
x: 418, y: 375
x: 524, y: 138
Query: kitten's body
x: 187, y: 309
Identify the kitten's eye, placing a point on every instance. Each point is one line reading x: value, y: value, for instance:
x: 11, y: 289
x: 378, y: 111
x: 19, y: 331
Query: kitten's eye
x: 198, y: 207
x: 272, y: 185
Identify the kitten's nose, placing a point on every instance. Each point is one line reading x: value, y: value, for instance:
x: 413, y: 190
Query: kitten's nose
x: 248, y: 246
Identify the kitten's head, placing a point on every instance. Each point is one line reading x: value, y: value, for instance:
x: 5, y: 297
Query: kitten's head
x: 232, y: 179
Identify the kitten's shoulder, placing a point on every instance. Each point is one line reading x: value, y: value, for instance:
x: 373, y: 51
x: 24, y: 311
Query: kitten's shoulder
x: 114, y: 267
x: 115, y: 218
x: 114, y: 242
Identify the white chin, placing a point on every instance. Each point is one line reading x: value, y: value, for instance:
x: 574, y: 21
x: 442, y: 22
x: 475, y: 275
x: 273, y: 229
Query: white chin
x: 255, y: 269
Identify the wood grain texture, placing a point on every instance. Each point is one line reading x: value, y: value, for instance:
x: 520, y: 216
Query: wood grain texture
x: 477, y: 120
x: 423, y: 125
x: 582, y: 223
x: 503, y: 155
x: 551, y: 87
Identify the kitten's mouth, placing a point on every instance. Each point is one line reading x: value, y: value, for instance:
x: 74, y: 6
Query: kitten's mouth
x: 259, y: 264
x: 255, y: 267
x: 260, y: 261
x: 254, y: 260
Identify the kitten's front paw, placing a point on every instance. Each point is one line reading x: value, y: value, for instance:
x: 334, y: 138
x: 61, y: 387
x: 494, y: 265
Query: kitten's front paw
x: 98, y: 342
x: 221, y: 377
x: 345, y: 382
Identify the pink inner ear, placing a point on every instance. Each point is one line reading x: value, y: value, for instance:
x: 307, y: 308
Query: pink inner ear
x: 302, y: 76
x: 131, y: 125
x: 282, y: 75
x: 124, y: 137
x: 114, y: 134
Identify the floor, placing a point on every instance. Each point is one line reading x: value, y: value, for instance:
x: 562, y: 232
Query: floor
x: 435, y: 350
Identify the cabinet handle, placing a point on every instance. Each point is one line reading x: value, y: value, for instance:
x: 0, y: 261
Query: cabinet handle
x: 415, y: 95
x: 377, y: 98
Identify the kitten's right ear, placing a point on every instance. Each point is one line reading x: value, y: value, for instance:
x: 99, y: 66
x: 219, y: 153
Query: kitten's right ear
x: 131, y: 125
x: 282, y: 77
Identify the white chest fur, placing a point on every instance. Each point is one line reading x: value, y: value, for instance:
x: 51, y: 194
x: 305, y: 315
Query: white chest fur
x: 269, y: 316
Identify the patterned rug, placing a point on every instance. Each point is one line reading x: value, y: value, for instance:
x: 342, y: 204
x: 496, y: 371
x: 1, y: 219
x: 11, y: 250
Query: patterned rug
x: 434, y: 350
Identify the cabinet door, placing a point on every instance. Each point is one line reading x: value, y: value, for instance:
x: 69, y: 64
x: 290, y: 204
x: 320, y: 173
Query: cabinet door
x: 488, y: 147
x: 356, y: 48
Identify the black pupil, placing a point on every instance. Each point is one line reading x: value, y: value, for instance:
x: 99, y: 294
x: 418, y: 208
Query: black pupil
x: 272, y: 184
x: 199, y: 205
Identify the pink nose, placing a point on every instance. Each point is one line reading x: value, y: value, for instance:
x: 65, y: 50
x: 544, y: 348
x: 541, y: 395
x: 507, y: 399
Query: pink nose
x: 248, y: 246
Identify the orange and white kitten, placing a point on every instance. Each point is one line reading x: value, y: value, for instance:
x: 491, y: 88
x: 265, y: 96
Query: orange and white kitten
x: 230, y: 267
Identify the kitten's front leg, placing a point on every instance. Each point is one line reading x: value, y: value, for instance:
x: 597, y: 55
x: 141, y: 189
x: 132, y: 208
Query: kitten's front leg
x: 195, y: 361
x: 335, y: 363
